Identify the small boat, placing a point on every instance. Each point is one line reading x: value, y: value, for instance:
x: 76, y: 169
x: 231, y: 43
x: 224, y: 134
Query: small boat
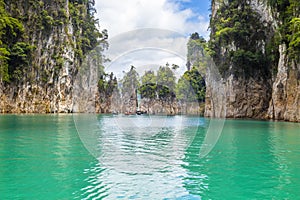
x: 139, y: 112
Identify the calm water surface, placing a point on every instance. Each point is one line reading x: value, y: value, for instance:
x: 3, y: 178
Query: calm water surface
x: 142, y: 157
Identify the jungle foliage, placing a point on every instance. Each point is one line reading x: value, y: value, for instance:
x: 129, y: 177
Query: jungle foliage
x: 26, y: 25
x: 244, y: 45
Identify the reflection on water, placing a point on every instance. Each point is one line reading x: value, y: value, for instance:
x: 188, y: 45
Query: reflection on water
x: 43, y: 157
x: 142, y: 160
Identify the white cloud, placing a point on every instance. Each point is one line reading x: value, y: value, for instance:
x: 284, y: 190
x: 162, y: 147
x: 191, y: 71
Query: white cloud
x: 119, y: 16
x: 145, y: 59
x: 153, y: 44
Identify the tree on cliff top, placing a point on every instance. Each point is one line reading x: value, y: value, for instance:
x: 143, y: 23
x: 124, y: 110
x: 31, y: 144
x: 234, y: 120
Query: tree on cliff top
x: 196, y: 56
x: 165, y: 82
x: 130, y: 83
x: 148, y: 87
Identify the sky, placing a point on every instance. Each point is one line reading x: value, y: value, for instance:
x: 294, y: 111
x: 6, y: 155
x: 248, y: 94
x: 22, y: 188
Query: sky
x: 150, y: 32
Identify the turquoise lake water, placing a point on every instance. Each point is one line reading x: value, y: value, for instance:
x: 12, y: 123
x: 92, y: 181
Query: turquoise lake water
x: 143, y: 157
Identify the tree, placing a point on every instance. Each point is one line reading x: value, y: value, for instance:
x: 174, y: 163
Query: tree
x: 191, y: 87
x: 196, y: 55
x: 148, y: 87
x: 165, y: 82
x: 129, y: 91
x: 295, y: 38
x: 183, y: 89
x: 130, y: 82
x: 107, y: 84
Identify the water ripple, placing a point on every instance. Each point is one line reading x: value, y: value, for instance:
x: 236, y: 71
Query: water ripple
x: 43, y: 157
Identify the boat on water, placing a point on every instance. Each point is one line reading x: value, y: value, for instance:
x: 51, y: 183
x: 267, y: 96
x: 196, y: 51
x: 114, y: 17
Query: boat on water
x: 139, y: 112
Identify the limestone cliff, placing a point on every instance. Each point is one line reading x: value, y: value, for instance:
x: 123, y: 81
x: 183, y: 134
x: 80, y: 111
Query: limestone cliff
x: 60, y: 33
x: 285, y: 103
x: 258, y: 64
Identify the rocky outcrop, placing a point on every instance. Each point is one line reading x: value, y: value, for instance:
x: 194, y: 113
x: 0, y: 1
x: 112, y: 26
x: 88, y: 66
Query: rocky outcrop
x: 160, y: 107
x: 109, y: 103
x: 55, y: 31
x: 285, y: 103
x: 85, y: 86
x: 259, y: 94
x: 242, y: 99
x: 215, y: 99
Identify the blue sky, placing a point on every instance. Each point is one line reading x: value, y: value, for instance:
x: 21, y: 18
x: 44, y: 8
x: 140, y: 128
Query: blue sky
x: 198, y: 6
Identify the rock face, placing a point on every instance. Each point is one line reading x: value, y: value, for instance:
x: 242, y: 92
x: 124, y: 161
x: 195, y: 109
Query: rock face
x: 215, y: 99
x: 237, y: 98
x: 256, y: 93
x: 54, y: 30
x: 285, y: 103
x: 85, y: 86
x: 155, y: 106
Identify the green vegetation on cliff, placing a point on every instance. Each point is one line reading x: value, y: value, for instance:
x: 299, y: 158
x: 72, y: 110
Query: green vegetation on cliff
x: 163, y: 85
x: 15, y: 52
x: 191, y: 86
x: 85, y: 26
x: 160, y: 85
x: 237, y: 40
x: 196, y: 56
x: 107, y: 84
x: 36, y: 35
x: 149, y: 87
x: 244, y: 45
x: 289, y: 28
x: 166, y: 81
x: 130, y: 83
